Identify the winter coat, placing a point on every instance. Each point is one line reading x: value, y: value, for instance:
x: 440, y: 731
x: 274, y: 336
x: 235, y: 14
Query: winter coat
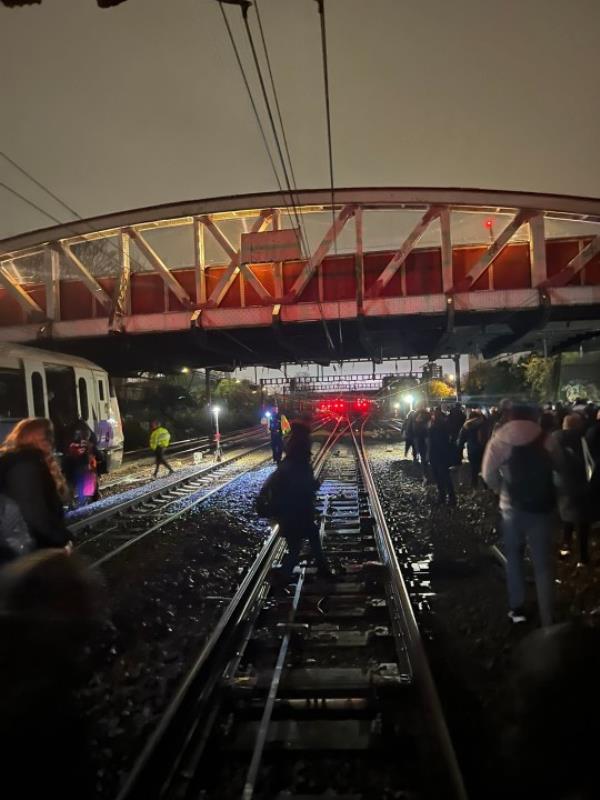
x: 26, y: 479
x: 498, y: 451
x: 474, y: 434
x: 571, y: 479
x: 440, y: 447
x: 160, y: 437
x: 294, y: 487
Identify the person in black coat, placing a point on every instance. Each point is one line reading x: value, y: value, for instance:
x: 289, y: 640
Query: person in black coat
x: 31, y: 477
x: 293, y: 487
x: 441, y: 453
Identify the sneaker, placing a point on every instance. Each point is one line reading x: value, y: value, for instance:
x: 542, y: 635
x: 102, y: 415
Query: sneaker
x: 517, y: 615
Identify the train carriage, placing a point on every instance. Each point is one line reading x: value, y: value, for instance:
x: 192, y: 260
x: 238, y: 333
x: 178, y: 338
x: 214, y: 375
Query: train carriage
x: 63, y: 388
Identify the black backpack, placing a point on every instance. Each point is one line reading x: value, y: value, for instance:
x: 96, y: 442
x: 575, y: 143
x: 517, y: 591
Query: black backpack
x: 268, y: 503
x: 529, y: 478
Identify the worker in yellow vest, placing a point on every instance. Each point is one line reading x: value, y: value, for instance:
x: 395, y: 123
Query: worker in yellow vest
x: 159, y: 441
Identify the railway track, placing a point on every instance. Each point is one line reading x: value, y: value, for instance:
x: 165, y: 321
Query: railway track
x: 323, y: 690
x: 198, y: 444
x: 109, y: 531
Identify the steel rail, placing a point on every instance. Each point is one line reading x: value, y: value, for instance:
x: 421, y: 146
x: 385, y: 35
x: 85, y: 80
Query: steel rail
x: 156, y: 765
x: 416, y: 648
x: 196, y: 443
x: 125, y: 505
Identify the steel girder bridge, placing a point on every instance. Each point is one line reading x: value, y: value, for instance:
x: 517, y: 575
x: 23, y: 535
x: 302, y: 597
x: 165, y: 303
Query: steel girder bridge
x: 254, y: 279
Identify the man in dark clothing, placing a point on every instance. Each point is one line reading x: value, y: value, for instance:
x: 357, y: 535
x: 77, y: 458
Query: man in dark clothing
x: 292, y: 488
x: 420, y: 425
x: 409, y: 435
x: 276, y: 432
x: 474, y: 435
x: 441, y: 452
x: 592, y: 438
x: 455, y: 420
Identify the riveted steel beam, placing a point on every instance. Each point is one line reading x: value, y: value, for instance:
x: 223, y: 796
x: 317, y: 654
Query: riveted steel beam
x: 315, y: 260
x: 230, y: 274
x: 575, y: 265
x: 161, y: 268
x: 494, y: 250
x: 398, y: 259
x: 16, y: 291
x: 86, y: 276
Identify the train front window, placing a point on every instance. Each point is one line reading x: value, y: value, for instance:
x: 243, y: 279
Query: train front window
x: 13, y: 399
x: 83, y: 399
x: 37, y: 388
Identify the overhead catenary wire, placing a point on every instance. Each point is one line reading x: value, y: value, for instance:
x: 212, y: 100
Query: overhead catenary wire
x: 250, y: 96
x: 244, y: 9
x: 272, y: 123
x: 321, y: 5
x: 61, y: 202
x: 294, y: 185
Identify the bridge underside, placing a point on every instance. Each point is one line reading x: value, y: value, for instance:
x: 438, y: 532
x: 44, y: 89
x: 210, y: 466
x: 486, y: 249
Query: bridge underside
x: 190, y: 285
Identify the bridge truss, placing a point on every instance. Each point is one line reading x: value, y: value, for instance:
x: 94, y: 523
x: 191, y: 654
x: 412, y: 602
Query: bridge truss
x: 382, y: 273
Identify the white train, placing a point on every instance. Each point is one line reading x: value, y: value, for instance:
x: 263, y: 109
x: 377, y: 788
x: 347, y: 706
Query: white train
x: 41, y: 383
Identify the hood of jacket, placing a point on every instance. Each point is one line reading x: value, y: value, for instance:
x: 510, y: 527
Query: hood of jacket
x: 518, y: 432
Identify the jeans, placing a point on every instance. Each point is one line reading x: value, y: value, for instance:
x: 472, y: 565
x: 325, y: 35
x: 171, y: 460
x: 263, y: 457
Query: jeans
x: 294, y: 535
x: 537, y: 531
x: 277, y: 446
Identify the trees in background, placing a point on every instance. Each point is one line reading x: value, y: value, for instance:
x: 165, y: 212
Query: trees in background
x: 532, y: 376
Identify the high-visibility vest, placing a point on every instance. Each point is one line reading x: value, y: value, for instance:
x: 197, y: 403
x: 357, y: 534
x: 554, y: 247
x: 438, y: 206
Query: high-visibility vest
x: 160, y: 437
x: 285, y: 425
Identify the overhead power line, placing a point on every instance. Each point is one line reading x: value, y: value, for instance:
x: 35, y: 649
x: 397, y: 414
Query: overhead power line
x: 321, y: 4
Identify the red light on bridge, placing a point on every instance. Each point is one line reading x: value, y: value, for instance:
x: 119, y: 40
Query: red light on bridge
x: 489, y: 224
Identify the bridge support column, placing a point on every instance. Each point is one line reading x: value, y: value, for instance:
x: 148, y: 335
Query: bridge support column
x: 456, y: 359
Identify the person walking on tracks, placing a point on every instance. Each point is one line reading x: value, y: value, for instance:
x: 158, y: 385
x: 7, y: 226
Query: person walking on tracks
x: 160, y: 439
x: 288, y: 496
x: 520, y: 468
x: 441, y: 454
x: 278, y: 428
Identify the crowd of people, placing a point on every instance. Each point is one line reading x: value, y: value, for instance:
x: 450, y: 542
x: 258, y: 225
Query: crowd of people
x: 542, y: 463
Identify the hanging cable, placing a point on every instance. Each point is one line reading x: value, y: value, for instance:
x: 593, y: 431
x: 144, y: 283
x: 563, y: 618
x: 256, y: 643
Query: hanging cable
x: 250, y: 95
x: 321, y: 4
x: 61, y: 202
x: 244, y: 9
x: 271, y: 119
x: 282, y: 126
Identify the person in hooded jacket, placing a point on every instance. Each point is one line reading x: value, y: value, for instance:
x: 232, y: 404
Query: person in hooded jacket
x: 519, y: 467
x: 293, y: 487
x: 572, y: 486
x: 30, y: 476
x: 474, y: 434
x: 441, y: 454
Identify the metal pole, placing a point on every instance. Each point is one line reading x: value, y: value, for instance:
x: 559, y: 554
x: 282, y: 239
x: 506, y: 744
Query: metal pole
x: 457, y: 377
x: 207, y: 387
x: 218, y: 453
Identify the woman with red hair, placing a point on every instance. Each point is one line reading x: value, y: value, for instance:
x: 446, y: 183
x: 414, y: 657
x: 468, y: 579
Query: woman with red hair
x: 31, y: 478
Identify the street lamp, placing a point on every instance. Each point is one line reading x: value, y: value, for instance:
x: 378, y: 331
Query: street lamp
x: 216, y: 411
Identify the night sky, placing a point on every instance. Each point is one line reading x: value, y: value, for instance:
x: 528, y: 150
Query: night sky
x: 144, y: 103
